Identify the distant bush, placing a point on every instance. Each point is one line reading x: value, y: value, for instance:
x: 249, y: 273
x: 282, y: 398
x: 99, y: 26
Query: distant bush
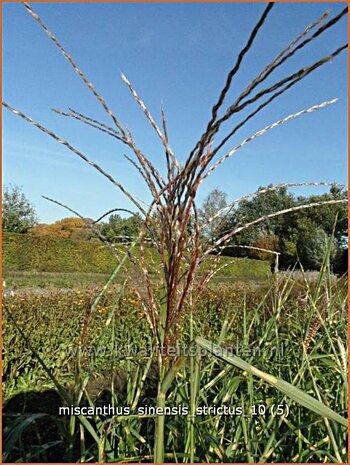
x: 65, y: 228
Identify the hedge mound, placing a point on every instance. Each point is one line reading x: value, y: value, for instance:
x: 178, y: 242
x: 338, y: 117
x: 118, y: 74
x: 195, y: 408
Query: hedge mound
x: 26, y: 252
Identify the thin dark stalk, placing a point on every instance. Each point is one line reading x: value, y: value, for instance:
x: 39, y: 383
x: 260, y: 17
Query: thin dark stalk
x: 89, y: 224
x: 114, y: 210
x: 229, y: 79
x: 76, y: 152
x: 291, y: 79
x: 76, y: 68
x: 93, y: 123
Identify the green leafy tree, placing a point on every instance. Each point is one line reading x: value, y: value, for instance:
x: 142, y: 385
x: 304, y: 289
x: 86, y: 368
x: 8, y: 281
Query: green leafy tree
x: 214, y: 201
x: 313, y: 247
x: 18, y: 214
x: 120, y: 229
x: 301, y: 235
x: 289, y: 252
x: 330, y: 217
x: 254, y: 208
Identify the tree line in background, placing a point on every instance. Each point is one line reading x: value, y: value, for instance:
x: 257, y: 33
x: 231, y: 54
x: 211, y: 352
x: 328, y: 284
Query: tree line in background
x: 299, y: 236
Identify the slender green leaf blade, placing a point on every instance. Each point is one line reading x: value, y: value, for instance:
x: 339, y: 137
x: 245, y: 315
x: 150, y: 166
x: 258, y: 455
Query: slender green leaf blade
x: 288, y: 389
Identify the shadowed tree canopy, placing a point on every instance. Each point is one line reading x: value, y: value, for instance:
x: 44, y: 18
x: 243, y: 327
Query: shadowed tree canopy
x: 296, y: 235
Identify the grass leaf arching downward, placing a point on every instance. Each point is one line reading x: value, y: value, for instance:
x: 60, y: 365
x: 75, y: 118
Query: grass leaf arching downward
x: 288, y: 389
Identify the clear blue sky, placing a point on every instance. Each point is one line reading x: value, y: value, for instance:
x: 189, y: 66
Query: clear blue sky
x: 175, y: 53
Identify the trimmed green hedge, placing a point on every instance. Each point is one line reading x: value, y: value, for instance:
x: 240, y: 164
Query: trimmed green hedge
x: 26, y: 252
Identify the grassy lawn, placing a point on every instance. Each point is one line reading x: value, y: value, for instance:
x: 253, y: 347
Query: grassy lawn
x: 28, y: 279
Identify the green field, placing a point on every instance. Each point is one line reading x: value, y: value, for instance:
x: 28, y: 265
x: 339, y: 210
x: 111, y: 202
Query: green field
x: 273, y: 325
x: 69, y: 340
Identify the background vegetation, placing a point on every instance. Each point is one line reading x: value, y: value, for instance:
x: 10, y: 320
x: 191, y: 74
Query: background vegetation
x: 298, y: 236
x: 26, y: 252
